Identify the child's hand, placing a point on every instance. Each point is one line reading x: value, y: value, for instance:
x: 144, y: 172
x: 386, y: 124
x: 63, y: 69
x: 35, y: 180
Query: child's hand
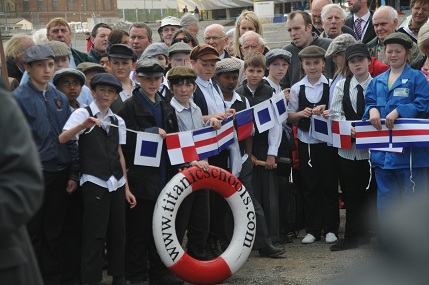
x: 202, y: 164
x: 130, y: 198
x: 318, y: 110
x: 353, y: 132
x: 325, y: 114
x: 220, y: 116
x: 90, y: 122
x: 215, y: 123
x: 254, y: 159
x: 162, y: 133
x: 270, y: 163
x: 374, y: 118
x: 286, y: 92
x: 390, y: 119
x: 230, y: 112
x: 306, y: 113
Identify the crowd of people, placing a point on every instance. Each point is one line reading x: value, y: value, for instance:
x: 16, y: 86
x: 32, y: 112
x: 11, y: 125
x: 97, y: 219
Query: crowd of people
x: 85, y: 108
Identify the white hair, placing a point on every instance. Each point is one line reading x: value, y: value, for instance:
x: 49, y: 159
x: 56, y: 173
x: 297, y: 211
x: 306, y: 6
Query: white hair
x: 392, y: 13
x: 328, y: 7
x: 261, y: 40
x: 39, y: 37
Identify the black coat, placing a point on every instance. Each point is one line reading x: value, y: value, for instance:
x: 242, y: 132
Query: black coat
x: 21, y: 194
x: 369, y: 33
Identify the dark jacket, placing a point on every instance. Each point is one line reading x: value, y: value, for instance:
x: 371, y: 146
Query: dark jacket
x: 418, y: 64
x: 369, y: 33
x: 144, y: 180
x: 96, y: 56
x: 12, y: 69
x: 80, y: 57
x: 21, y: 195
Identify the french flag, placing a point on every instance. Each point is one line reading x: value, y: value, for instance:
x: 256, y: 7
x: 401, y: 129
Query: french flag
x: 341, y: 134
x: 225, y: 134
x: 410, y: 133
x: 148, y: 149
x: 244, y: 120
x: 205, y: 141
x: 181, y: 148
x: 369, y: 137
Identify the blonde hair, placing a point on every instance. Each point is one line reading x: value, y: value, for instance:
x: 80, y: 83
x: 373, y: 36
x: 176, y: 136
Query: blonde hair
x: 423, y: 37
x: 57, y: 22
x: 15, y: 45
x: 251, y: 17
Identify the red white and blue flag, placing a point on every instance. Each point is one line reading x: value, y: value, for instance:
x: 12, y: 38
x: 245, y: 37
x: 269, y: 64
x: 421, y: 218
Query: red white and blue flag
x: 205, y: 141
x: 341, y: 134
x: 410, y: 133
x: 369, y: 137
x: 148, y: 149
x: 244, y: 120
x: 181, y: 148
x: 225, y: 134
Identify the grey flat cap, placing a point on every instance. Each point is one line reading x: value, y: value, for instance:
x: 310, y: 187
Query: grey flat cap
x: 179, y: 47
x: 228, y: 65
x: 277, y: 53
x: 155, y: 49
x: 150, y: 67
x: 38, y: 52
x: 69, y: 72
x: 340, y: 44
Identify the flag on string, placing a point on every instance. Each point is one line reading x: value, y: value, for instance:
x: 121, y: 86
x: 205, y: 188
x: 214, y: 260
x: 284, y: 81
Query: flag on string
x: 205, y: 141
x: 341, y: 134
x: 181, y: 148
x: 264, y: 116
x: 410, y: 133
x: 369, y: 137
x: 225, y: 134
x: 244, y: 120
x: 148, y: 149
x: 321, y: 128
x: 279, y: 106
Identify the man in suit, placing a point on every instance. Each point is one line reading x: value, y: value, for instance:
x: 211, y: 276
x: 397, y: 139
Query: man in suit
x: 361, y: 20
x: 21, y: 195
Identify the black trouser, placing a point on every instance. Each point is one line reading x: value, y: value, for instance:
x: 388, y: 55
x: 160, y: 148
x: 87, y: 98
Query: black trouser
x: 136, y: 249
x: 103, y: 221
x: 356, y: 175
x: 46, y: 227
x: 319, y: 184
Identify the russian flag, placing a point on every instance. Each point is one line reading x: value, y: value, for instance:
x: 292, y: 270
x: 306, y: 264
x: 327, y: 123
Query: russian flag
x: 410, y: 133
x: 244, y: 120
x: 279, y: 104
x: 264, y: 116
x: 321, y: 128
x: 369, y: 137
x: 205, y: 141
x: 341, y: 134
x: 148, y: 149
x: 181, y: 148
x: 225, y: 135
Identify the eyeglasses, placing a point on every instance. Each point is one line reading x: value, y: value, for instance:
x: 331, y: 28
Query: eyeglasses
x: 167, y: 30
x: 215, y: 39
x: 178, y: 40
x: 68, y: 84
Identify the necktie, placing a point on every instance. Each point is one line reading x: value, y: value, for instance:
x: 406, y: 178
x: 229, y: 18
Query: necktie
x: 358, y: 28
x: 360, y: 101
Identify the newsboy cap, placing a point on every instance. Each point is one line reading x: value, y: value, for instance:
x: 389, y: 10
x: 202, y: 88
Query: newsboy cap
x: 69, y: 72
x: 204, y: 52
x: 90, y: 66
x: 399, y: 38
x: 60, y: 49
x: 178, y: 48
x: 340, y: 44
x: 106, y: 79
x: 155, y: 49
x: 277, y: 53
x: 181, y: 72
x: 228, y: 65
x: 360, y: 50
x: 150, y: 67
x: 312, y: 52
x: 122, y: 51
x: 38, y: 52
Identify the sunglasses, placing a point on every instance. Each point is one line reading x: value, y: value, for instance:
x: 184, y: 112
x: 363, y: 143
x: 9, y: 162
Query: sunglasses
x: 185, y: 40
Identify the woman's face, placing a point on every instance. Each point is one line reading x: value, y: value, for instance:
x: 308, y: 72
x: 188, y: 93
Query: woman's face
x: 246, y: 25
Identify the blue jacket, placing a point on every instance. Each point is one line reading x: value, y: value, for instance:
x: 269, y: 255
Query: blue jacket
x: 414, y: 104
x: 46, y: 113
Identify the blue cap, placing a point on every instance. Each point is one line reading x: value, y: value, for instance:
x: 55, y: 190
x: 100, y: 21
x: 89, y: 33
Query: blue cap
x: 38, y: 52
x: 122, y: 51
x: 105, y: 79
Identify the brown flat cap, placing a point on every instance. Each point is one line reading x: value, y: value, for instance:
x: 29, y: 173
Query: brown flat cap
x: 204, y: 52
x: 90, y: 66
x: 312, y: 52
x: 181, y: 72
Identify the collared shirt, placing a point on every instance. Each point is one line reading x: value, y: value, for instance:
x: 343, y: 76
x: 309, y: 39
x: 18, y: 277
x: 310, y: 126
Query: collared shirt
x: 313, y: 93
x: 188, y: 118
x: 163, y: 86
x: 337, y: 79
x: 85, y: 96
x: 277, y: 88
x: 124, y: 93
x: 79, y: 116
x: 236, y: 97
x: 364, y: 24
x: 213, y: 98
x: 337, y: 113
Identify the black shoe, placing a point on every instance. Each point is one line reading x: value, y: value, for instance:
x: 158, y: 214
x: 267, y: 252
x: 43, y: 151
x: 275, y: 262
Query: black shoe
x: 271, y: 251
x: 167, y: 279
x: 285, y: 239
x: 344, y: 244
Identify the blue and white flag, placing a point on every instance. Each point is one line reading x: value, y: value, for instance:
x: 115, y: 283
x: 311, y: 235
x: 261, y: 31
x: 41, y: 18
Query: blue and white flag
x: 321, y: 128
x: 279, y: 106
x: 264, y: 116
x: 148, y: 149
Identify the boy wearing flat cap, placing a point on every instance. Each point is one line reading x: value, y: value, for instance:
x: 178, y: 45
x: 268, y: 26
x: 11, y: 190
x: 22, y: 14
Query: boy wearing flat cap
x: 146, y: 111
x: 122, y: 61
x: 70, y: 82
x: 104, y: 183
x: 90, y: 69
x: 277, y: 62
x: 47, y: 110
x: 178, y: 54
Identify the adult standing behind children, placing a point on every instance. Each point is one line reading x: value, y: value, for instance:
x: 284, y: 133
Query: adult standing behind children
x: 361, y: 20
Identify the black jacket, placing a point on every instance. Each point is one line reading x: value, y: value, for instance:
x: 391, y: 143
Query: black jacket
x: 369, y: 33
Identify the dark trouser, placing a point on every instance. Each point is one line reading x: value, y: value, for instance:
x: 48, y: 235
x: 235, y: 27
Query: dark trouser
x: 194, y: 216
x: 140, y: 229
x: 46, y: 227
x: 103, y: 220
x: 319, y: 187
x: 356, y: 174
x: 136, y: 249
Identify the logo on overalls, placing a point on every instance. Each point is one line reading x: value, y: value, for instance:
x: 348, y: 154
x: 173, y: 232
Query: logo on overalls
x: 59, y: 103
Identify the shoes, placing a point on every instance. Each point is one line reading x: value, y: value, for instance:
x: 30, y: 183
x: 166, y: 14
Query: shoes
x: 213, y: 249
x: 331, y: 238
x: 285, y: 239
x: 271, y: 251
x: 344, y: 244
x: 309, y: 238
x: 167, y: 279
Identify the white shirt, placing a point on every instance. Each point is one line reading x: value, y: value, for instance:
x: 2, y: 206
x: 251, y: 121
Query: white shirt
x: 313, y: 93
x: 124, y: 93
x: 363, y: 24
x: 163, y: 86
x: 236, y: 97
x: 213, y: 98
x: 79, y: 116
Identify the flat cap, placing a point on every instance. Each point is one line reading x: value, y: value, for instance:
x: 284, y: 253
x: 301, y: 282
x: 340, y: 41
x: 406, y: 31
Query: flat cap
x: 178, y: 48
x: 399, y: 38
x: 60, y: 49
x: 105, y: 79
x: 340, y: 44
x: 277, y: 53
x: 150, y: 67
x: 122, y: 51
x: 169, y: 21
x: 204, y: 52
x: 69, y: 72
x: 228, y: 65
x: 90, y: 66
x: 180, y: 72
x: 38, y: 52
x: 360, y: 50
x: 312, y: 52
x: 155, y: 49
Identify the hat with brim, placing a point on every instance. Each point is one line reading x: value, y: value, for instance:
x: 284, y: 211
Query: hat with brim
x: 357, y: 50
x: 38, y: 52
x: 106, y: 79
x: 59, y: 74
x: 399, y: 38
x: 204, y: 52
x: 86, y: 67
x: 150, y: 67
x: 277, y: 53
x: 181, y: 72
x: 122, y: 51
x: 312, y: 52
x: 340, y: 44
x: 169, y: 21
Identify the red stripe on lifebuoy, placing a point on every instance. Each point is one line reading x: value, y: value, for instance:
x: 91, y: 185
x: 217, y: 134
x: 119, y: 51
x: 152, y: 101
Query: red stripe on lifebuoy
x: 201, y: 272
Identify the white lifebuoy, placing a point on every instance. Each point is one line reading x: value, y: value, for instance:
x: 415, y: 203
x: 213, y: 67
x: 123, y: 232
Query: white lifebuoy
x: 164, y: 231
